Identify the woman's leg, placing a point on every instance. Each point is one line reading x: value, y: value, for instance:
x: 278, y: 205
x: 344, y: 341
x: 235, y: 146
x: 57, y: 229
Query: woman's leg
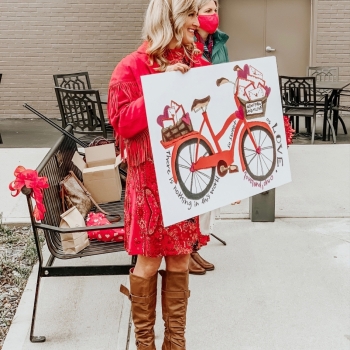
x: 143, y: 296
x: 177, y: 263
x: 174, y: 301
x: 146, y: 267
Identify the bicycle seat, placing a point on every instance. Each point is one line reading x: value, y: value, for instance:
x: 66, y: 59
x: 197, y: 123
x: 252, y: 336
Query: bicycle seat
x: 222, y: 81
x: 200, y: 103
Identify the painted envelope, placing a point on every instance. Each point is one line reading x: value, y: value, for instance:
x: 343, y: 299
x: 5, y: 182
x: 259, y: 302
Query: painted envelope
x: 256, y: 93
x: 256, y: 81
x: 253, y: 71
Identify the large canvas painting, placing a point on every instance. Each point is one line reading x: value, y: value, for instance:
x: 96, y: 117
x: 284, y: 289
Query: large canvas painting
x: 217, y: 135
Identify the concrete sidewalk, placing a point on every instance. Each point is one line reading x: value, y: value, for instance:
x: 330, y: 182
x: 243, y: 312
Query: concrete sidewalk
x: 282, y: 285
x: 320, y: 179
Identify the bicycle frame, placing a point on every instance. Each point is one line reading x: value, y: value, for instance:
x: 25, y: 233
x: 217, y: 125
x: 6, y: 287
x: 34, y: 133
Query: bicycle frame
x: 226, y: 155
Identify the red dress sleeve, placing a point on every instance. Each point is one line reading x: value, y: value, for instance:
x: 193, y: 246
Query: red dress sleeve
x: 126, y: 105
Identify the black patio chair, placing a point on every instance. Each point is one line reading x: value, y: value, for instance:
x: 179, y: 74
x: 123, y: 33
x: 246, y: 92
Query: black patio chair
x: 325, y: 73
x: 342, y: 109
x: 298, y: 96
x: 83, y: 110
x: 74, y: 81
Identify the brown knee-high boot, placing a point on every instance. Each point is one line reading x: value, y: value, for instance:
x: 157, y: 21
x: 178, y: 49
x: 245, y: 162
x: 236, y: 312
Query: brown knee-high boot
x: 175, y: 295
x: 143, y: 296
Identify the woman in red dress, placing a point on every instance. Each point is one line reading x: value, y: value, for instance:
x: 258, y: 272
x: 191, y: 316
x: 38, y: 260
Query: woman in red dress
x: 169, y: 46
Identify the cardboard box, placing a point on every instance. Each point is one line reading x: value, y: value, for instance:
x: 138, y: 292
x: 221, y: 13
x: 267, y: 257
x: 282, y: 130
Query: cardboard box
x: 100, y: 173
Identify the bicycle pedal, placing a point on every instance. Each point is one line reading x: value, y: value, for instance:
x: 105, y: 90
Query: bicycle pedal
x: 223, y: 168
x: 233, y: 169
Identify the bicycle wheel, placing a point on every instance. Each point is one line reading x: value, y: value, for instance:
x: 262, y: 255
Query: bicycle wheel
x: 194, y: 183
x: 259, y: 163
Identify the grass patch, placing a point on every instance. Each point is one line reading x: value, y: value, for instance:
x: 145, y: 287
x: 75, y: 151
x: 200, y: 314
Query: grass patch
x: 17, y: 257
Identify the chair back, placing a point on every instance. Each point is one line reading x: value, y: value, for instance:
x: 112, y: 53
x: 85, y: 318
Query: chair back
x: 324, y: 73
x: 74, y: 81
x: 298, y: 93
x: 83, y: 110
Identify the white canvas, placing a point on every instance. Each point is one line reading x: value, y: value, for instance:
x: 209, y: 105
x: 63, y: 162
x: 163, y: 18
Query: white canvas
x: 195, y: 177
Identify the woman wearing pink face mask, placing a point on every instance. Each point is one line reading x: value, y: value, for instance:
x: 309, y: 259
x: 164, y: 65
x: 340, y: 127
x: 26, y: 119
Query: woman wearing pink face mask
x: 208, y: 34
x: 212, y: 42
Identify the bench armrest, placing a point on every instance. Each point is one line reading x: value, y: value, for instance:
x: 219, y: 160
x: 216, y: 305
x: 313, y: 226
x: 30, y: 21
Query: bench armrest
x: 79, y: 229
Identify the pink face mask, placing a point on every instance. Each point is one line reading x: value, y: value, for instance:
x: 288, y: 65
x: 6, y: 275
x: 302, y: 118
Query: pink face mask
x: 209, y: 23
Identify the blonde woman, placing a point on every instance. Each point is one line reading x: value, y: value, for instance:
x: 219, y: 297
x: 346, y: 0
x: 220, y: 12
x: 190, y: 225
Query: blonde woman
x: 169, y: 46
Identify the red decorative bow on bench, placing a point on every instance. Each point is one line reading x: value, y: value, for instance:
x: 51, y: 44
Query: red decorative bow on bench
x: 30, y: 179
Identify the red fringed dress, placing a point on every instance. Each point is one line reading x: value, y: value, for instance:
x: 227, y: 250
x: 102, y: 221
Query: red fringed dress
x: 144, y: 230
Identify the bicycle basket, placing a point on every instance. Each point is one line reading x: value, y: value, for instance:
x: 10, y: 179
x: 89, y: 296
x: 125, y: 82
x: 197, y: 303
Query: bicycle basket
x: 254, y: 109
x: 180, y: 128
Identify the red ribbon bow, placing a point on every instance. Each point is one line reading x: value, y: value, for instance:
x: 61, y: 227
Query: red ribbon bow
x: 30, y: 179
x: 289, y: 130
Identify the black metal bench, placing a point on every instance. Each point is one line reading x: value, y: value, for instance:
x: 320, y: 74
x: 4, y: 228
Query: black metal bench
x: 55, y: 167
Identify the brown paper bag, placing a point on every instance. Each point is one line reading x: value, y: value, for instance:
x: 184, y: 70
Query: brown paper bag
x: 73, y: 243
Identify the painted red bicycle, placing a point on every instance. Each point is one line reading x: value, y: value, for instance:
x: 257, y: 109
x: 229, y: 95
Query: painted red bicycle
x: 194, y: 159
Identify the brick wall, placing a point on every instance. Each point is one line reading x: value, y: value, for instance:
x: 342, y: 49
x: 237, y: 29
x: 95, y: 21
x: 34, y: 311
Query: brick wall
x: 45, y: 37
x: 333, y: 36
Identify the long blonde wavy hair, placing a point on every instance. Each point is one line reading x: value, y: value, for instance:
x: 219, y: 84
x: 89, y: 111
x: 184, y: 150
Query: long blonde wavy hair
x: 164, y: 20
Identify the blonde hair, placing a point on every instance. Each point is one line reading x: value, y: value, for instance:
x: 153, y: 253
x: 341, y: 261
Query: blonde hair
x: 164, y: 20
x: 202, y: 3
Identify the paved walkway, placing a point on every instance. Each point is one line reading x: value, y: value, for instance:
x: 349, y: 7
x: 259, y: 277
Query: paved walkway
x: 282, y: 285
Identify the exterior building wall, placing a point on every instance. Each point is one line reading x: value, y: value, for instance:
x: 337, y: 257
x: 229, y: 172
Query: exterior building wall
x: 332, y: 39
x: 46, y: 37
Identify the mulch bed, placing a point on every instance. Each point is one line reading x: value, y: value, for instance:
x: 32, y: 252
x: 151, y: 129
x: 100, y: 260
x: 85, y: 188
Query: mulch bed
x: 17, y: 257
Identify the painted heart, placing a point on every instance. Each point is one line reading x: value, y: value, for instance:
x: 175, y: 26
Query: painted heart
x: 240, y: 113
x: 165, y: 115
x: 268, y: 90
x: 186, y: 119
x: 243, y: 73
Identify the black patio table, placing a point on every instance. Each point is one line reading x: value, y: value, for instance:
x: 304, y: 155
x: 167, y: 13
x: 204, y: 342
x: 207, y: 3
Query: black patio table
x: 333, y: 100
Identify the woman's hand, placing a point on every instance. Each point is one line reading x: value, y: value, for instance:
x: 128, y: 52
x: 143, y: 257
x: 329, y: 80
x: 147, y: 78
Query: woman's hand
x: 183, y: 68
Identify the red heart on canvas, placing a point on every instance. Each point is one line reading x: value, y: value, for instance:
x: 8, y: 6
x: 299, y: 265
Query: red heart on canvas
x: 240, y: 113
x: 186, y: 119
x: 268, y: 90
x: 243, y: 73
x: 163, y: 116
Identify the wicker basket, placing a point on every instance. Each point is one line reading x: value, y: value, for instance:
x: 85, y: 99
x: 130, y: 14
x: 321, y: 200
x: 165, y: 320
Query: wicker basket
x: 254, y: 109
x: 174, y: 131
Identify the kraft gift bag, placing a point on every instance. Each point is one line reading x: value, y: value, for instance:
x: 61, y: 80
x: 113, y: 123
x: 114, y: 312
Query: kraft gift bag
x: 73, y: 243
